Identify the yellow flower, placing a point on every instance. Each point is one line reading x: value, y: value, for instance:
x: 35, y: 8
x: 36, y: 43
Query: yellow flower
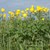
x: 39, y: 8
x: 43, y: 19
x: 17, y: 12
x: 22, y: 11
x: 4, y: 15
x: 11, y: 14
x: 45, y: 9
x: 31, y: 9
x: 26, y: 9
x: 24, y: 15
x: 2, y: 10
x: 35, y: 11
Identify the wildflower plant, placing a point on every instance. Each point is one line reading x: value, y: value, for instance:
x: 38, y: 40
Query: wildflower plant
x: 22, y: 31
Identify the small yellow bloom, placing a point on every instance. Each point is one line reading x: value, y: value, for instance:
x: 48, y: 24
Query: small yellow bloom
x: 26, y: 9
x: 11, y: 14
x: 4, y: 15
x: 31, y: 9
x: 35, y: 11
x: 24, y: 15
x: 43, y: 19
x: 2, y: 10
x: 45, y: 9
x: 39, y: 8
x: 17, y: 12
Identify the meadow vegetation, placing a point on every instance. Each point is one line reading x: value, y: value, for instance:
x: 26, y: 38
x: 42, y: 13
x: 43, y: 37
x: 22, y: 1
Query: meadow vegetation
x: 27, y: 29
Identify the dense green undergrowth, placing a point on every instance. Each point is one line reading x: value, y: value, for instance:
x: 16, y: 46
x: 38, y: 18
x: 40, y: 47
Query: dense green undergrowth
x: 26, y: 34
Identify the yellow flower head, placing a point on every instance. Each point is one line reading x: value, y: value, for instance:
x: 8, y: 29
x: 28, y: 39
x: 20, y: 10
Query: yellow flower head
x: 24, y: 15
x: 43, y: 19
x: 17, y: 12
x: 35, y: 11
x: 31, y: 9
x: 2, y: 10
x: 11, y: 13
x: 45, y: 9
x: 4, y: 15
x: 39, y: 8
x: 26, y: 9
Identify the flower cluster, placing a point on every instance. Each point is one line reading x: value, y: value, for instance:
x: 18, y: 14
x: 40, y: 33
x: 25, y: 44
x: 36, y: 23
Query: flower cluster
x: 25, y: 13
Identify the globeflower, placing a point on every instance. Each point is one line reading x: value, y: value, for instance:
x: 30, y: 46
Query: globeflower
x: 24, y: 15
x: 17, y: 12
x: 31, y: 9
x: 2, y: 10
x: 4, y: 15
x: 11, y: 13
x: 35, y: 11
x: 26, y: 9
x: 39, y: 8
x: 45, y: 9
x: 43, y: 19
